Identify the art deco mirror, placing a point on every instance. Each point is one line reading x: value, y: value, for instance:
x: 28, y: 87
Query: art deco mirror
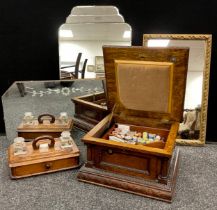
x: 84, y: 33
x: 192, y: 130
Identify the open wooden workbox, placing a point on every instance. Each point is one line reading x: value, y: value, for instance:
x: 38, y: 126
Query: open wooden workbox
x: 145, y: 89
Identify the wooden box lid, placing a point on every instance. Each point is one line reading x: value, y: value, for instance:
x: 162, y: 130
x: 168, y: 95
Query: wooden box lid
x: 146, y: 82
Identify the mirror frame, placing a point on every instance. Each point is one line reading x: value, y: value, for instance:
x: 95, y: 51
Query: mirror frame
x: 206, y: 74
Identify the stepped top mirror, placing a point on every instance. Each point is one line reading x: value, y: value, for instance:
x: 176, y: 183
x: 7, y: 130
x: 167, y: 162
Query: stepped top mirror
x: 192, y: 130
x: 82, y: 36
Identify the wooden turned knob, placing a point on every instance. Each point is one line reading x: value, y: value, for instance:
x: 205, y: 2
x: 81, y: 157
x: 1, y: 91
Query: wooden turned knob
x: 110, y: 151
x: 48, y: 165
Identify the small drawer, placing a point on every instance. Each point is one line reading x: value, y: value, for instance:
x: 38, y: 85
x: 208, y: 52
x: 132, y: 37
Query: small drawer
x: 44, y: 167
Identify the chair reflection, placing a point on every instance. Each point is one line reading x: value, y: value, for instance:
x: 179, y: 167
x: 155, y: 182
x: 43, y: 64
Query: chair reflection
x: 74, y: 74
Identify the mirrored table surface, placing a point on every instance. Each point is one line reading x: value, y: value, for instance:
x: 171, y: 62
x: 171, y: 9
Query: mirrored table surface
x: 41, y: 97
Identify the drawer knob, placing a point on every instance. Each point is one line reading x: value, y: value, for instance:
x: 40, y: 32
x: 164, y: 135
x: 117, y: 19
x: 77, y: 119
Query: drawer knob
x: 48, y: 165
x: 110, y: 151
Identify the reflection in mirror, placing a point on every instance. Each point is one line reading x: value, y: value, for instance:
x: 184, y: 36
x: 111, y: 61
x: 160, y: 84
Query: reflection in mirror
x: 81, y: 38
x: 192, y: 130
x: 40, y: 97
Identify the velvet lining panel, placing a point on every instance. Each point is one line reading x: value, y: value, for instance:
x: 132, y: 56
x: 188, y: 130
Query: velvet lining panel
x: 144, y: 86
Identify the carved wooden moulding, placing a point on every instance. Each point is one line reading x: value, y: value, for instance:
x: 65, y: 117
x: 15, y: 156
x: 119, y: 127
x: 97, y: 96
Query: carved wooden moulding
x: 44, y: 154
x: 44, y: 124
x: 89, y: 110
x: 132, y: 149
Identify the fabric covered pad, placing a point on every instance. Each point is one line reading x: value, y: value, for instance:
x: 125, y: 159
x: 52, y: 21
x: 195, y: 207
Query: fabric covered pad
x: 143, y: 85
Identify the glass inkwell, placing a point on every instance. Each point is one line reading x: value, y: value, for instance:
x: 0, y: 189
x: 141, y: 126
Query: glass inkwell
x: 66, y: 140
x: 28, y: 118
x: 64, y: 118
x: 19, y: 146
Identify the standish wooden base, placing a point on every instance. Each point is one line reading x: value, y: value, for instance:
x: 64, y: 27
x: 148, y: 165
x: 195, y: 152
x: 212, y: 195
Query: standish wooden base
x: 52, y: 128
x: 37, y: 162
x: 135, y: 185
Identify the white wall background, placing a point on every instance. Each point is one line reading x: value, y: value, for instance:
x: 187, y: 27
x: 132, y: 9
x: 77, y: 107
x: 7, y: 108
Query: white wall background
x: 193, y: 95
x: 68, y: 51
